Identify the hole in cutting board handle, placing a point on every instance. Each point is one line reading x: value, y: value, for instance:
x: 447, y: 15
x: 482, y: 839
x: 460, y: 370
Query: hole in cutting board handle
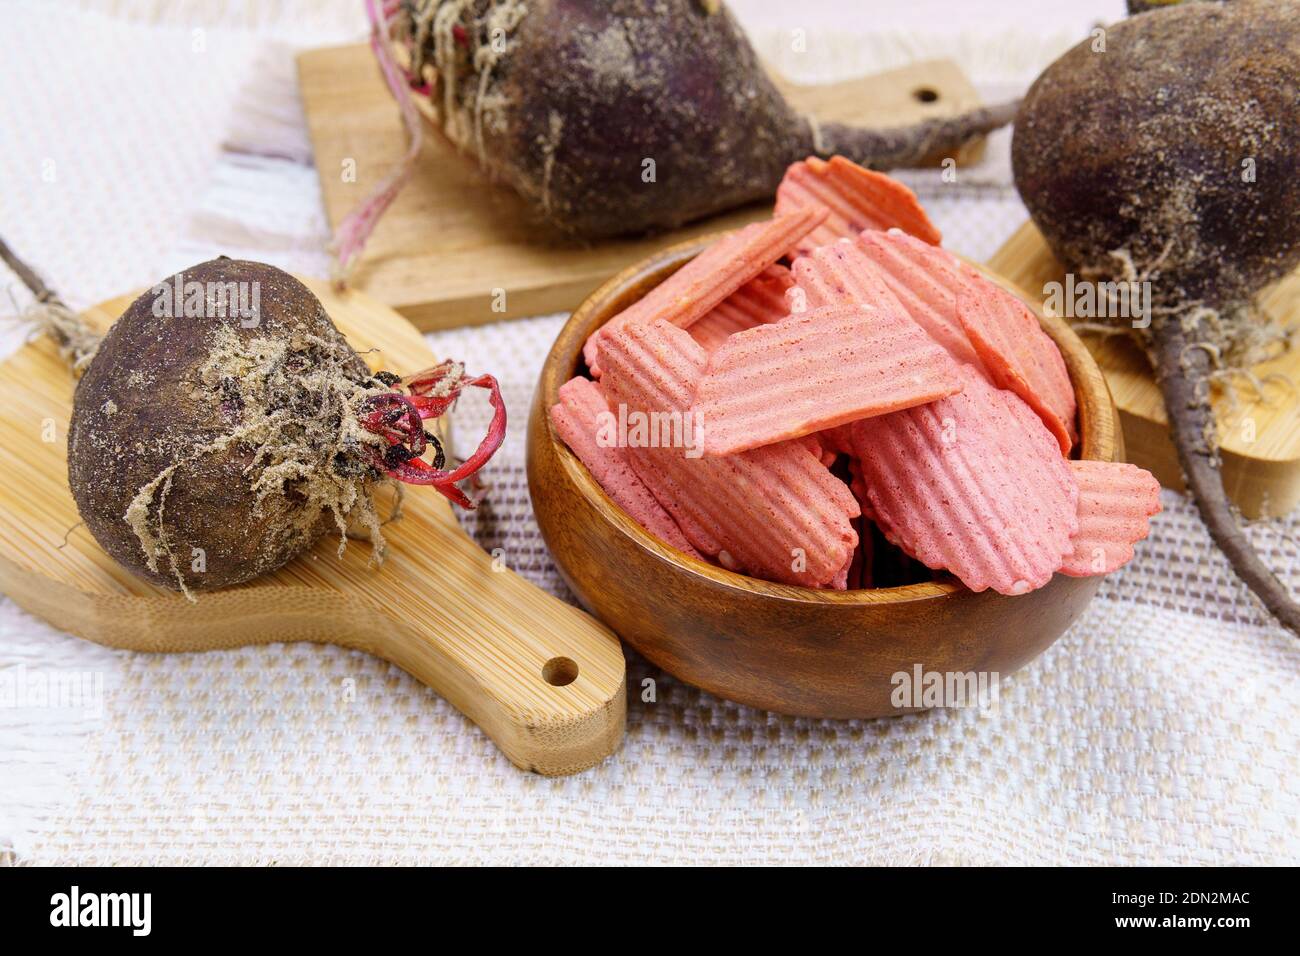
x: 559, y: 671
x: 925, y: 94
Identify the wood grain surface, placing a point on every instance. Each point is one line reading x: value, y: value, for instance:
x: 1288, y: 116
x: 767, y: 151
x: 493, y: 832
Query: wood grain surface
x: 544, y: 680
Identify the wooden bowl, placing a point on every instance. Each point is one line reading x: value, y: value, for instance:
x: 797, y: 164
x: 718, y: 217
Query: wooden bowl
x: 788, y: 649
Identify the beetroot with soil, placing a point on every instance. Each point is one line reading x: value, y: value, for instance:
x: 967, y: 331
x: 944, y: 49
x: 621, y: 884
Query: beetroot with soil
x: 1169, y: 156
x: 615, y: 117
x: 208, y: 448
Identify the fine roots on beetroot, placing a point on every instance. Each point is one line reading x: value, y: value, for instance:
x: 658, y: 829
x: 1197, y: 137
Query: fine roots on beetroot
x: 300, y: 420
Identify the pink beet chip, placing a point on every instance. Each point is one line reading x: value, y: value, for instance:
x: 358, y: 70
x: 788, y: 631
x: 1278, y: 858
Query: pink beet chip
x: 817, y: 370
x: 857, y: 199
x: 774, y: 512
x: 839, y: 274
x: 1116, y: 502
x: 843, y: 576
x: 696, y: 288
x: 582, y: 419
x: 759, y: 301
x: 927, y: 281
x: 973, y: 483
x: 1019, y: 355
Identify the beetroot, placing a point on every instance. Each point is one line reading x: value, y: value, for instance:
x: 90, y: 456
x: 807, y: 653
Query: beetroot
x: 1170, y: 158
x: 617, y: 117
x: 223, y: 424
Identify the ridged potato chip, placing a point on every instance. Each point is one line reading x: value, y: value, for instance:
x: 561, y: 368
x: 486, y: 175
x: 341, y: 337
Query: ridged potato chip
x: 856, y: 198
x: 973, y: 483
x: 839, y: 274
x: 696, y: 288
x: 760, y: 301
x: 774, y: 512
x: 1020, y: 356
x: 817, y: 370
x: 578, y: 420
x: 927, y: 281
x: 1116, y: 502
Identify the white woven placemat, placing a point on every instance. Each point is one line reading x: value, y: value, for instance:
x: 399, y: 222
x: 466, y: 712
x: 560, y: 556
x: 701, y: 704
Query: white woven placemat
x: 1161, y: 728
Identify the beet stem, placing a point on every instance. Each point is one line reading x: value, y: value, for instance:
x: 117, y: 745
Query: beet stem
x: 350, y: 238
x: 35, y: 284
x: 69, y: 330
x: 407, y: 430
x: 1184, y: 374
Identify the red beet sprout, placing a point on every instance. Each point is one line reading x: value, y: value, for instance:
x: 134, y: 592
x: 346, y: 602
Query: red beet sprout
x: 399, y: 418
x: 355, y: 229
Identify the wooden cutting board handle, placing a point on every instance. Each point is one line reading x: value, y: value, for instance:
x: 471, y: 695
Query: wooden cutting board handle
x: 543, y: 679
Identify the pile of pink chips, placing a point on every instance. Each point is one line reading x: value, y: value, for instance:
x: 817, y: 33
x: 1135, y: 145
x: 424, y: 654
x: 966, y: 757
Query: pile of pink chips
x: 826, y: 397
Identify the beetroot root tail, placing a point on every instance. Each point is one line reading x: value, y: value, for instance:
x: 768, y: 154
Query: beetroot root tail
x: 913, y: 145
x: 1183, y: 372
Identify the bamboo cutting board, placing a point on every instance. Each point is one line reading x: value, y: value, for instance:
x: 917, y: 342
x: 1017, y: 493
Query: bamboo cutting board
x: 456, y: 249
x: 544, y: 680
x: 1259, y: 437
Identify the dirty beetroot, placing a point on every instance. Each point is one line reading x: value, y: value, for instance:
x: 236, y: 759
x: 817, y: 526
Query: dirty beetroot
x: 206, y: 450
x: 1167, y: 162
x: 614, y: 117
x: 864, y: 410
